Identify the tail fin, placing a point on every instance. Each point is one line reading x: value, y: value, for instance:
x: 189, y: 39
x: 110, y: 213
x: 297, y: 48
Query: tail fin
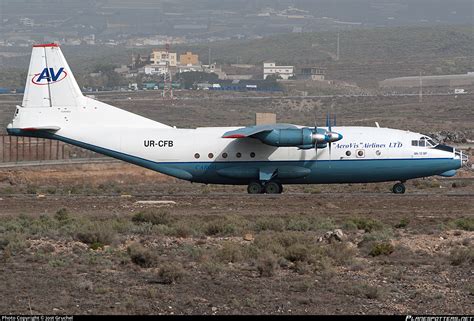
x: 50, y: 81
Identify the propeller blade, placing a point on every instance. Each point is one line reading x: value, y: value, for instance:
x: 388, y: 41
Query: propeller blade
x: 334, y: 120
x: 328, y: 122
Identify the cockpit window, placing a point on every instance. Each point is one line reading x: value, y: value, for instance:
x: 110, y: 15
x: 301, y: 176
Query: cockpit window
x: 424, y: 142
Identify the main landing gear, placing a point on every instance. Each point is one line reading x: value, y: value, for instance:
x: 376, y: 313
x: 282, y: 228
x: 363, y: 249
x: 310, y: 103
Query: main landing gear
x: 398, y: 188
x: 270, y: 187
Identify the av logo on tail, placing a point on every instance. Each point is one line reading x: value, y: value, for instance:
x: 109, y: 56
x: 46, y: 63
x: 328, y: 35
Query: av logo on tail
x: 49, y: 76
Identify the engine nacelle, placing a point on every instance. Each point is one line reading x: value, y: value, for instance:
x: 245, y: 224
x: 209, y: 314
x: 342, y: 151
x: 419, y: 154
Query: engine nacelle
x: 303, y: 138
x: 287, y: 137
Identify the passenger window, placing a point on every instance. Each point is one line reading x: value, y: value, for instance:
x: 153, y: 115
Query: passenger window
x: 210, y: 155
x: 252, y: 154
x: 414, y: 143
x: 196, y: 155
x: 224, y: 155
x: 238, y: 155
x: 348, y: 153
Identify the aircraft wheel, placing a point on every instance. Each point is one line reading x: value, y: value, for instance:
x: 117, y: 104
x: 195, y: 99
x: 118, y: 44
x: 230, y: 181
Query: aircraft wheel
x: 273, y: 188
x: 398, y: 188
x: 255, y: 188
x: 281, y: 188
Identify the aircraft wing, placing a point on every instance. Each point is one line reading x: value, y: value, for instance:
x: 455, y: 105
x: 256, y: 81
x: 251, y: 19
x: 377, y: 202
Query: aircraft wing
x: 253, y: 130
x: 42, y: 128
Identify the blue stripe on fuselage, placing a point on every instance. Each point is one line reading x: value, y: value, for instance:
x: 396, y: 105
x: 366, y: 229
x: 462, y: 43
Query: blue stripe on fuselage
x: 322, y: 171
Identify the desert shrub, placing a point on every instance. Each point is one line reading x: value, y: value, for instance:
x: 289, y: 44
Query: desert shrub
x: 380, y: 235
x: 230, y: 252
x: 170, y: 273
x: 97, y: 234
x: 266, y: 265
x: 222, y: 227
x: 323, y: 223
x: 153, y: 216
x: 142, y: 256
x: 268, y: 242
x: 366, y: 224
x: 460, y: 256
x: 62, y: 215
x: 31, y: 189
x: 298, y: 225
x: 341, y: 253
x: 297, y: 252
x: 181, y: 229
x: 383, y: 248
x: 302, y: 268
x: 463, y: 183
x: 270, y: 224
x: 364, y: 290
x: 464, y: 223
x: 13, y: 243
x: 403, y: 223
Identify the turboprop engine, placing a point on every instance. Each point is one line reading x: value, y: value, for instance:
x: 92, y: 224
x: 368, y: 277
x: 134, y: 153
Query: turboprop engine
x: 303, y: 138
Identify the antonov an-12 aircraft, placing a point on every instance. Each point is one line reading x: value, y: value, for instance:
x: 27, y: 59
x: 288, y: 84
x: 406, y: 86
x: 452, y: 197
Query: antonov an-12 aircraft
x: 264, y: 157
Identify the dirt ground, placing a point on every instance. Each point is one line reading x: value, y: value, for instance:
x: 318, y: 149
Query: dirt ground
x: 117, y: 239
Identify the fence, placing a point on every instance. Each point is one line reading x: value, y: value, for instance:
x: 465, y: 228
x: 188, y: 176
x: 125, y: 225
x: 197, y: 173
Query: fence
x: 15, y: 149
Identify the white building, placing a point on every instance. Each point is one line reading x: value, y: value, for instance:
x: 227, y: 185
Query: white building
x: 189, y: 67
x: 270, y: 68
x: 156, y: 69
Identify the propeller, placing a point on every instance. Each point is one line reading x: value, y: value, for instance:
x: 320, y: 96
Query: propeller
x: 331, y: 136
x: 325, y: 136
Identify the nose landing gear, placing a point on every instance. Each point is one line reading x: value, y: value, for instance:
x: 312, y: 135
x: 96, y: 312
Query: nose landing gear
x: 270, y: 187
x: 398, y: 188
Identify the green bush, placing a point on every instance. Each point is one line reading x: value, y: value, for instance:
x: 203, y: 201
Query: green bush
x: 96, y: 233
x: 460, y: 256
x: 221, y: 227
x: 297, y: 252
x: 170, y: 273
x: 364, y: 290
x: 230, y: 252
x: 341, y: 253
x: 298, y: 225
x: 142, y: 256
x: 366, y: 224
x: 270, y: 224
x: 384, y: 248
x: 266, y: 265
x: 403, y: 223
x: 153, y: 216
x: 62, y: 215
x: 464, y: 223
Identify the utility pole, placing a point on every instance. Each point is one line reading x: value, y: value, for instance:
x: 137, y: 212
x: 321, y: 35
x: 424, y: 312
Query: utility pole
x: 168, y: 82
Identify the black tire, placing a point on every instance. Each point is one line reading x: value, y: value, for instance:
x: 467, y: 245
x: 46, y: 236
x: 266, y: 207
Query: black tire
x: 398, y: 188
x: 255, y: 188
x: 272, y: 188
x: 281, y: 188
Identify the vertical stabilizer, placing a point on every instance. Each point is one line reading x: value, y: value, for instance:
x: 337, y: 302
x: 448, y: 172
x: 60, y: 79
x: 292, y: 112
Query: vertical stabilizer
x: 50, y: 82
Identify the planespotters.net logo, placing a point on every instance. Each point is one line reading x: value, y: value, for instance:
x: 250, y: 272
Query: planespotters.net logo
x: 49, y: 76
x: 439, y: 318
